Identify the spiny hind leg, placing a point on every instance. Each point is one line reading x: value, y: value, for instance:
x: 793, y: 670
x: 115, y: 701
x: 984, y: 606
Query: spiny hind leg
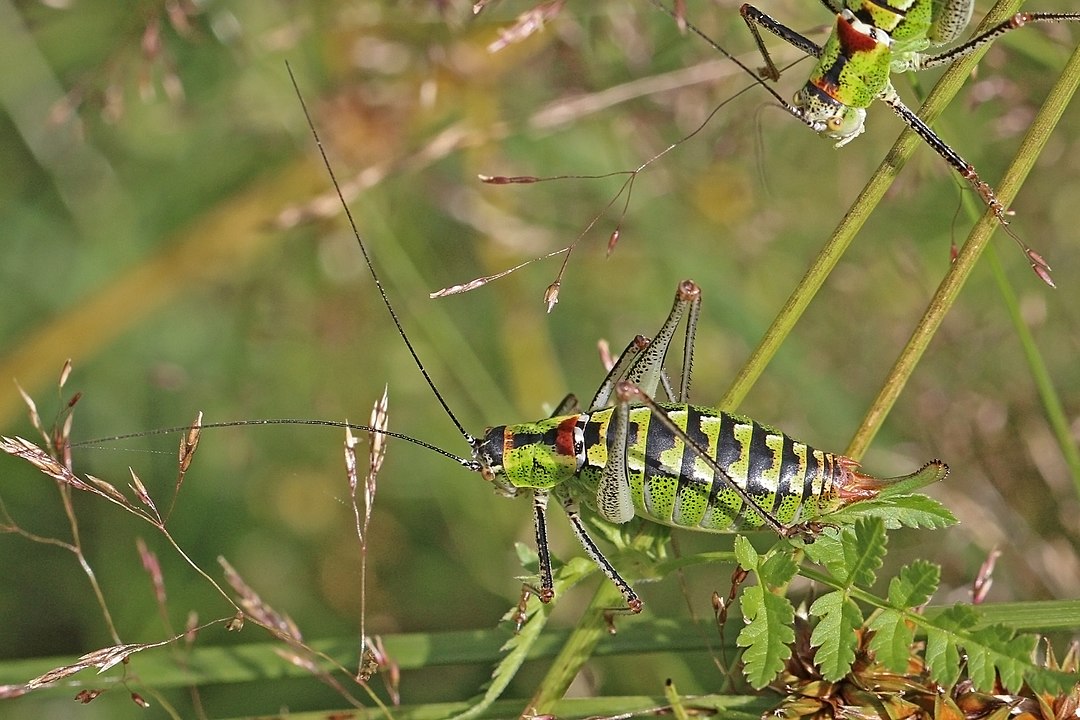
x: 633, y: 602
x: 755, y: 19
x: 1017, y: 21
x: 613, y: 499
x: 645, y: 366
x: 967, y: 171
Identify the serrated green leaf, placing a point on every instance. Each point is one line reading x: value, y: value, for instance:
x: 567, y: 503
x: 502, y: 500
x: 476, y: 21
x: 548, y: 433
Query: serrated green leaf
x: 914, y: 585
x: 994, y: 648
x: 917, y: 511
x: 960, y: 616
x: 864, y: 551
x: 836, y: 562
x: 778, y: 569
x: 892, y: 639
x: 913, y: 511
x: 1056, y: 682
x: 993, y: 652
x: 942, y: 657
x: 980, y: 666
x: 767, y: 636
x: 745, y: 553
x: 834, y: 636
x: 826, y: 549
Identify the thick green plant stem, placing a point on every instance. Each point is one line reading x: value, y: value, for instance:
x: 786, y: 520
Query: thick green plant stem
x: 576, y: 651
x: 954, y: 280
x: 942, y: 94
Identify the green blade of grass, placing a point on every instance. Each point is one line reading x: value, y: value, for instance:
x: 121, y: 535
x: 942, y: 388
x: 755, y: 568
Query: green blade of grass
x: 1055, y: 411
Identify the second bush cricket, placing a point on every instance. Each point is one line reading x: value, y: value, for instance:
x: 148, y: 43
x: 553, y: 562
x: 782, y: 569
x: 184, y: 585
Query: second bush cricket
x: 871, y: 39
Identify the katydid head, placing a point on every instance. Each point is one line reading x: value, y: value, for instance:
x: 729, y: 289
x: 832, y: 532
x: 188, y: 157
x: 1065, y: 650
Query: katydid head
x: 488, y: 454
x: 536, y: 455
x: 828, y: 116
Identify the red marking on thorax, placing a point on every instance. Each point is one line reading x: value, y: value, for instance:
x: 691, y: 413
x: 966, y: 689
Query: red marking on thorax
x: 564, y: 436
x: 823, y: 84
x: 851, y: 40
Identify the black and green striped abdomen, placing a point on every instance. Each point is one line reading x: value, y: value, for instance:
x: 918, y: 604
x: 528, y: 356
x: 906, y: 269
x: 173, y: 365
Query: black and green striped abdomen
x: 670, y: 483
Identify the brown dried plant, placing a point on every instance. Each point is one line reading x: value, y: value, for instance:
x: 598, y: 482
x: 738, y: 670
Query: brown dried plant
x: 53, y: 459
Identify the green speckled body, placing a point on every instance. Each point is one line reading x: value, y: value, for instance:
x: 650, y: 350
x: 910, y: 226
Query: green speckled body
x: 669, y: 481
x: 854, y: 65
x: 670, y: 484
x: 541, y: 454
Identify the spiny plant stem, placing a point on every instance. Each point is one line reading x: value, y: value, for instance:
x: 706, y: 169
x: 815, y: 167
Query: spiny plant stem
x: 942, y: 94
x: 954, y: 280
x: 576, y: 650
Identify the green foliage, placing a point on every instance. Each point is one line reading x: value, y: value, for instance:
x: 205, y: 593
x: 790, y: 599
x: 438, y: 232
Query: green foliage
x: 911, y: 511
x: 852, y: 558
x: 893, y: 633
x: 521, y: 643
x: 767, y: 635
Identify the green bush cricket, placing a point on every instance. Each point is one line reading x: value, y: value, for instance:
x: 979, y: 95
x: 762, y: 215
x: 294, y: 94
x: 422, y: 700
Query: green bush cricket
x: 872, y: 39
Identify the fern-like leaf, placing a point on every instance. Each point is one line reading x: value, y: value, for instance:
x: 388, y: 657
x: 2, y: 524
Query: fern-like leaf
x: 826, y: 550
x: 854, y: 556
x: 915, y: 585
x: 767, y: 636
x: 778, y: 568
x: 912, y: 511
x: 865, y: 555
x: 942, y: 656
x: 746, y: 554
x: 992, y: 652
x: 942, y: 653
x: 769, y: 631
x: 893, y: 628
x: 891, y: 643
x: 834, y: 636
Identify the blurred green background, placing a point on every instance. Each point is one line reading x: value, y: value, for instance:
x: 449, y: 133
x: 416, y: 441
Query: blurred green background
x: 167, y: 226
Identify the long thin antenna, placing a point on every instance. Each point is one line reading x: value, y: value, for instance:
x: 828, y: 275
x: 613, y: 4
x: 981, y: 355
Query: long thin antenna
x: 758, y: 80
x: 470, y: 464
x: 371, y: 268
